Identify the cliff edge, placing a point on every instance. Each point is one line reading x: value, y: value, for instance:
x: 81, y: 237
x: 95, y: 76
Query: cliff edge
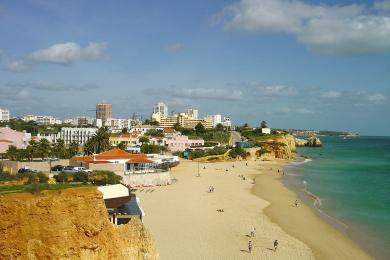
x: 67, y: 224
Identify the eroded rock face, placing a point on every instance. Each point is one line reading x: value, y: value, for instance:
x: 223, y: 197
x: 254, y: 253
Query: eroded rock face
x: 67, y: 224
x: 313, y: 142
x: 281, y: 147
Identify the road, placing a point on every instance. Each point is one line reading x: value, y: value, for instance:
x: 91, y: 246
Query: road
x: 234, y: 137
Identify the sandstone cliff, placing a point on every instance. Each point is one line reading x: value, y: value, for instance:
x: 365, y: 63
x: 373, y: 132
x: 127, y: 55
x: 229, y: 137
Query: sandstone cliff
x: 310, y: 142
x: 282, y: 147
x: 313, y: 142
x: 67, y: 224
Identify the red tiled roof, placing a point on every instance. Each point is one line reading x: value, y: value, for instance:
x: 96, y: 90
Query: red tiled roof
x: 169, y: 130
x: 113, y: 154
x: 124, y: 135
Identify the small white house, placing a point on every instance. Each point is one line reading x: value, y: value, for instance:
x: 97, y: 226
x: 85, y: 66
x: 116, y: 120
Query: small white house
x: 266, y: 131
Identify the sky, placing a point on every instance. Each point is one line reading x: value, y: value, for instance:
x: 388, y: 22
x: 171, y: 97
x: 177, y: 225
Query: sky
x: 295, y: 64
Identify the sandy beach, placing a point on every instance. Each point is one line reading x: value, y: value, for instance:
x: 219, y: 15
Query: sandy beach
x: 186, y: 224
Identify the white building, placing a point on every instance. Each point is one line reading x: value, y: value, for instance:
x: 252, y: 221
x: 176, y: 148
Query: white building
x: 116, y: 123
x: 193, y: 113
x: 42, y: 120
x: 80, y: 121
x: 160, y: 108
x: 266, y: 131
x: 4, y: 115
x: 79, y: 135
x: 216, y: 119
x: 227, y: 122
x: 142, y: 129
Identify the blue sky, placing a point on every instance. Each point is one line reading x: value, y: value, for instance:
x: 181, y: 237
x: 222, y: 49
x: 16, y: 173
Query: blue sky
x: 296, y: 64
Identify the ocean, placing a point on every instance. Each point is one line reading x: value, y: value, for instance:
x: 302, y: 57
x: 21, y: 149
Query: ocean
x: 348, y: 182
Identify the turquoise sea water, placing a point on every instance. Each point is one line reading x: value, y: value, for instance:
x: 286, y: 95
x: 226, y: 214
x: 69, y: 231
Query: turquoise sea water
x: 351, y: 178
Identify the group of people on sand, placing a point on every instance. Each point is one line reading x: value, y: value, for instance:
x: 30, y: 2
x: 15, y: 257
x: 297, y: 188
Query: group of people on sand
x: 250, y: 243
x: 211, y: 189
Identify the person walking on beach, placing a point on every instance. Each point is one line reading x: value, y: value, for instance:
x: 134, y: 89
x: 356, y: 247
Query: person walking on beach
x: 296, y: 203
x: 250, y: 246
x: 253, y: 230
x: 276, y: 243
x: 246, y: 164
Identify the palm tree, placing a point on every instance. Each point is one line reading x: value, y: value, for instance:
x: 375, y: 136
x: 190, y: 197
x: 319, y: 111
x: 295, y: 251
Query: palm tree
x: 12, y: 152
x: 59, y: 149
x: 122, y: 145
x: 263, y: 124
x: 32, y: 149
x: 44, y: 148
x: 102, y: 140
x: 99, y: 142
x: 89, y: 147
x: 143, y: 140
x: 73, y: 149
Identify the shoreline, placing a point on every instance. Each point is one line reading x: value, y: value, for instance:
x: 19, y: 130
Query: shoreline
x: 333, y: 231
x: 186, y: 224
x: 297, y: 184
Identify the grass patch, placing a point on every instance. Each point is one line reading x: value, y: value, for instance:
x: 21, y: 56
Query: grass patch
x: 36, y: 188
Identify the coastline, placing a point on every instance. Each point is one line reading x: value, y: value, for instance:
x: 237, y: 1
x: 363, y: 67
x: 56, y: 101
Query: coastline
x: 325, y: 235
x: 185, y: 223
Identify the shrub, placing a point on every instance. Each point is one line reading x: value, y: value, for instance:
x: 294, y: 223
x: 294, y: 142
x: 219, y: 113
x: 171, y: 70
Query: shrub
x: 238, y: 151
x: 61, y: 177
x: 150, y: 148
x: 42, y: 178
x: 33, y: 188
x: 80, y: 177
x: 105, y: 177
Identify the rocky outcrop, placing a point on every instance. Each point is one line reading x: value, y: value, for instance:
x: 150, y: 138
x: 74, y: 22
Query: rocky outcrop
x: 300, y: 142
x: 313, y: 142
x: 67, y: 224
x: 282, y: 147
x: 309, y: 142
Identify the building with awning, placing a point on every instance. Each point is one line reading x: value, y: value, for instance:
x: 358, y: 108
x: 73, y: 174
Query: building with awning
x: 116, y: 160
x: 136, y: 169
x: 121, y: 204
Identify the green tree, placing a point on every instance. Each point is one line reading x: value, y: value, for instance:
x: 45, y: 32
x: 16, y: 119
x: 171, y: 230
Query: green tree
x: 101, y: 140
x: 73, y: 149
x: 43, y: 148
x: 219, y: 127
x: 143, y: 140
x: 58, y: 149
x: 263, y: 124
x: 177, y: 127
x: 199, y: 128
x: 154, y: 132
x: 150, y: 148
x: 122, y: 145
x: 12, y: 153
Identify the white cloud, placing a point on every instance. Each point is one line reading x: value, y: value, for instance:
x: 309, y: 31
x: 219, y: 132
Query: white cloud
x: 276, y: 91
x: 349, y: 29
x: 330, y: 94
x: 48, y: 86
x: 210, y: 93
x: 173, y: 48
x: 304, y: 111
x: 287, y: 110
x: 376, y: 98
x: 382, y: 5
x: 67, y: 53
x: 60, y: 53
x: 18, y: 66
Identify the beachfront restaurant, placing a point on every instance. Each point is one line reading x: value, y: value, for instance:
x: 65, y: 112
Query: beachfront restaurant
x: 116, y: 160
